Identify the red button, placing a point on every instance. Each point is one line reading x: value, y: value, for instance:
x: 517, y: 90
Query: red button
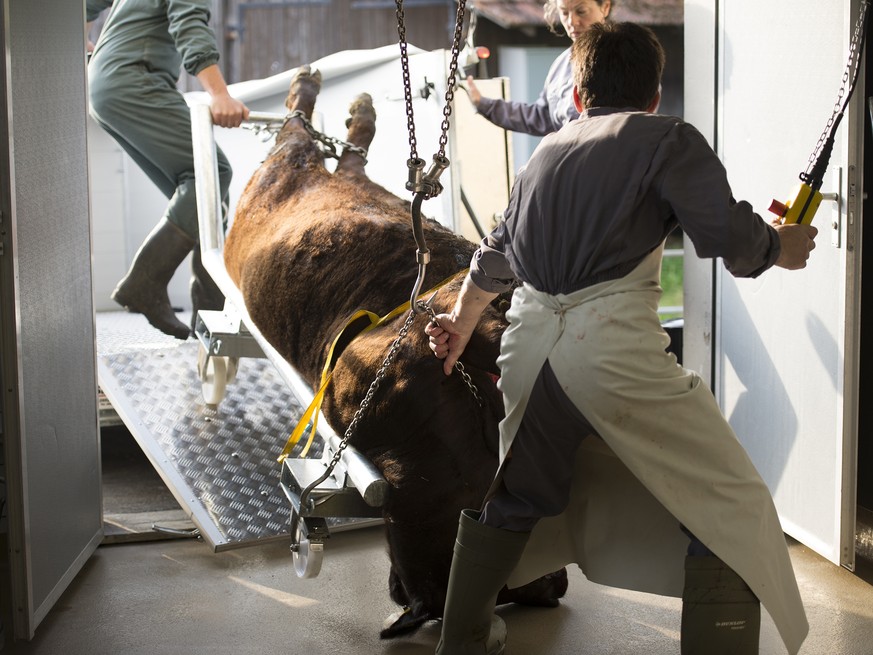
x: 778, y: 208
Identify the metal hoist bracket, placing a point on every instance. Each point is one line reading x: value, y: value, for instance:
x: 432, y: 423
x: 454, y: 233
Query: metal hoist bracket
x: 851, y: 206
x: 836, y: 176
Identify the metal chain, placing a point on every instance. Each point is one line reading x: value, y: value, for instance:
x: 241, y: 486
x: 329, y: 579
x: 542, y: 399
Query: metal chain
x: 852, y: 66
x: 427, y: 308
x: 450, y: 82
x: 329, y: 142
x: 264, y: 132
x: 407, y: 84
x: 374, y: 386
x: 365, y: 403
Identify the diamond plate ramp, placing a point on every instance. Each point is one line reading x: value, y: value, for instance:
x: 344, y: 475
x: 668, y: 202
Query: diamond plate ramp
x: 219, y: 463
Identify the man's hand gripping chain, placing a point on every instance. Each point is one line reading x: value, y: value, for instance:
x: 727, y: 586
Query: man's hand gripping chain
x: 427, y: 307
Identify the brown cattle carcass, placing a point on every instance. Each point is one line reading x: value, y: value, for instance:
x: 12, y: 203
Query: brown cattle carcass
x: 307, y: 249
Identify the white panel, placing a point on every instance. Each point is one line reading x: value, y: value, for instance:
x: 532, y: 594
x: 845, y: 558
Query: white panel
x: 780, y: 338
x: 107, y: 183
x: 482, y: 161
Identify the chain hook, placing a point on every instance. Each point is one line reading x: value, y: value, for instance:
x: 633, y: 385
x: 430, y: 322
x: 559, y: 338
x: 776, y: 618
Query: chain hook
x: 426, y: 185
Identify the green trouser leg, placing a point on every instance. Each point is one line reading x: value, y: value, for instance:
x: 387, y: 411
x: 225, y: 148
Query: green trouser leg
x: 720, y: 614
x: 484, y: 558
x: 144, y: 289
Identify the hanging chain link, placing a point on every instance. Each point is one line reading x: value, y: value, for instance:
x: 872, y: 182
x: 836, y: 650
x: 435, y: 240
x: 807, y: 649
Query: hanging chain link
x: 428, y: 309
x: 432, y: 187
x: 407, y: 84
x: 851, y: 72
x: 365, y: 405
x: 450, y: 81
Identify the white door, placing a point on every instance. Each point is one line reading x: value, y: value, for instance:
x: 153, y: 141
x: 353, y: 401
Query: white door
x: 784, y: 343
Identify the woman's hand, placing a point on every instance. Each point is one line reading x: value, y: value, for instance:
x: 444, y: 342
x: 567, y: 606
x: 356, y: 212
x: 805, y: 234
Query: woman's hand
x: 473, y: 91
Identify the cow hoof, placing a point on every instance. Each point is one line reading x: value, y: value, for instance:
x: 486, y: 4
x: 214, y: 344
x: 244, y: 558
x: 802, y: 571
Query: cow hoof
x: 542, y: 592
x: 363, y: 106
x: 405, y: 622
x: 304, y: 89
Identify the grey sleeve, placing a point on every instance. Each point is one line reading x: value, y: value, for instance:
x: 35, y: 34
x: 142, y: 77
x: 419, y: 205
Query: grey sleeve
x: 489, y: 269
x: 194, y: 39
x: 694, y: 183
x: 533, y: 118
x: 93, y: 8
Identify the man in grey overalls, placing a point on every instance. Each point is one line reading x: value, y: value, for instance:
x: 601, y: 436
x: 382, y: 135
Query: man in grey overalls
x: 132, y: 77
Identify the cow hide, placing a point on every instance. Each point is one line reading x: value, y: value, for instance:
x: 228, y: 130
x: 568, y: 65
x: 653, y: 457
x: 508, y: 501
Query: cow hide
x: 307, y: 248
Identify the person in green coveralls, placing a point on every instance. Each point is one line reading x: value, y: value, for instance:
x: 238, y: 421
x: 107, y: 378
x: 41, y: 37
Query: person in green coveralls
x: 132, y: 75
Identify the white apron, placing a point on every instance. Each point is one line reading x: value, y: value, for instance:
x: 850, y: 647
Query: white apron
x: 667, y: 453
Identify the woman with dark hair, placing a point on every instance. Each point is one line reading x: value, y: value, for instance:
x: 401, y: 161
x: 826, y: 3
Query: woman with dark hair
x: 554, y: 107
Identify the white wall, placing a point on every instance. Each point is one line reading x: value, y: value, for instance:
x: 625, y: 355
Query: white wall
x: 125, y: 206
x: 526, y: 69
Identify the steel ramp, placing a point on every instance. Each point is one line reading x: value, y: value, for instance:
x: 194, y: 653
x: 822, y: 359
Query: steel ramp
x: 219, y: 462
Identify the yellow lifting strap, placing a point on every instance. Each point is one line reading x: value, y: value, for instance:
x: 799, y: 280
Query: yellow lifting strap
x: 351, y: 330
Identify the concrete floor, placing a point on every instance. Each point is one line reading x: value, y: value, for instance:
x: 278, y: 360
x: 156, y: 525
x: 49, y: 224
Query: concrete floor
x: 175, y: 597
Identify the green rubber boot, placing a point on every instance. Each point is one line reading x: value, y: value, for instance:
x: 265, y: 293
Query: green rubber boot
x: 205, y: 293
x: 484, y: 558
x: 144, y: 289
x: 720, y: 614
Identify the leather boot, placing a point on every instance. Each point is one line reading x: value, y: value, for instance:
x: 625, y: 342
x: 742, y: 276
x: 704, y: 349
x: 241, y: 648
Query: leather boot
x: 720, y: 614
x: 484, y: 558
x: 144, y: 289
x: 205, y: 294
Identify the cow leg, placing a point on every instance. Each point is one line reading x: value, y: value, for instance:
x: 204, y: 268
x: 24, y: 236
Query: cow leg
x: 303, y: 91
x: 294, y: 145
x: 361, y: 126
x: 362, y: 129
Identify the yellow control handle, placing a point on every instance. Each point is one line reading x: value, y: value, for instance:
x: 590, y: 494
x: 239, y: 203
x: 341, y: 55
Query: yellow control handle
x: 800, y: 210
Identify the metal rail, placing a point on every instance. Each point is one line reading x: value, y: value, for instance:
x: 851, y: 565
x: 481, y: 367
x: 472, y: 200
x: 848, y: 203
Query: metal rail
x: 365, y: 477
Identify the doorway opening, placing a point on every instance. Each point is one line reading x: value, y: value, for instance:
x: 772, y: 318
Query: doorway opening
x: 864, y: 530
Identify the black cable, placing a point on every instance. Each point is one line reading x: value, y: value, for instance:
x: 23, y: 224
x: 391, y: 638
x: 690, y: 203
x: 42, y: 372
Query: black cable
x: 815, y: 175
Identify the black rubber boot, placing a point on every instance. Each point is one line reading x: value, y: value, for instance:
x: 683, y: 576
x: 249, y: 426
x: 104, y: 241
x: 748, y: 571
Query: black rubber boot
x: 144, y: 289
x: 205, y: 294
x: 720, y: 614
x: 484, y: 558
